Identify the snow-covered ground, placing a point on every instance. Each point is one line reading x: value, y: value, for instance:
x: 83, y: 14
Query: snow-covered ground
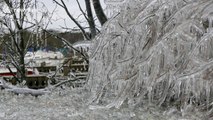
x: 72, y: 104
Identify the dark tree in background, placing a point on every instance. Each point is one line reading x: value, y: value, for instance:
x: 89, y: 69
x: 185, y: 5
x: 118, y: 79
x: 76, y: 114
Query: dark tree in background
x: 90, y: 19
x: 99, y: 11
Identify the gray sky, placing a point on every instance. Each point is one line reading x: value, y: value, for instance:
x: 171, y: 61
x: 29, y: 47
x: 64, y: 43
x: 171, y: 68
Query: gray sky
x: 60, y: 17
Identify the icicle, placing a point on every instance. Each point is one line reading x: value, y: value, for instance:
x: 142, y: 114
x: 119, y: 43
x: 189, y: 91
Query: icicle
x: 207, y: 95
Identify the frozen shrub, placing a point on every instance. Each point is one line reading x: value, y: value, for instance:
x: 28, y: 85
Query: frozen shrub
x: 155, y: 50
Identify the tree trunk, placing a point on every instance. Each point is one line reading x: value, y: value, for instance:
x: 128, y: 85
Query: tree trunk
x: 22, y: 55
x: 22, y: 43
x: 99, y: 11
x: 90, y: 19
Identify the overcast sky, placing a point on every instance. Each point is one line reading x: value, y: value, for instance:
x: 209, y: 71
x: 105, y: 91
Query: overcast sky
x: 60, y: 17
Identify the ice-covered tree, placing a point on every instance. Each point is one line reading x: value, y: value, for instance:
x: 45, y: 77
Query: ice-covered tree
x: 160, y: 51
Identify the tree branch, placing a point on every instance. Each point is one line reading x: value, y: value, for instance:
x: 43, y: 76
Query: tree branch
x: 63, y: 5
x: 67, y: 43
x: 82, y: 10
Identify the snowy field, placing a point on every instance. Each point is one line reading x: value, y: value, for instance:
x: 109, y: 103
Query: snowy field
x: 72, y: 105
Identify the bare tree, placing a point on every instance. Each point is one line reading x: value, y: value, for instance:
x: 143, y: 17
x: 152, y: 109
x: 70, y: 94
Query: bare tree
x: 14, y: 19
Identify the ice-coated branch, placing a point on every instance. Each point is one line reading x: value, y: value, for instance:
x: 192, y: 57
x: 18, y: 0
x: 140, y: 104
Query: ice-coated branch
x: 35, y: 92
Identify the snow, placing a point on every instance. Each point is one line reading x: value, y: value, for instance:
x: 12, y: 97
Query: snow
x: 83, y: 46
x: 43, y: 54
x: 49, y: 57
x: 72, y: 104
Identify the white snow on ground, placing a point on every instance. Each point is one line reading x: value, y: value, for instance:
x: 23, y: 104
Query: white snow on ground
x: 71, y: 104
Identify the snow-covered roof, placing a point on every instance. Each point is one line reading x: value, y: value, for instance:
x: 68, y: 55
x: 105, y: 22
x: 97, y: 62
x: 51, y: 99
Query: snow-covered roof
x: 83, y: 46
x: 83, y: 43
x: 43, y: 54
